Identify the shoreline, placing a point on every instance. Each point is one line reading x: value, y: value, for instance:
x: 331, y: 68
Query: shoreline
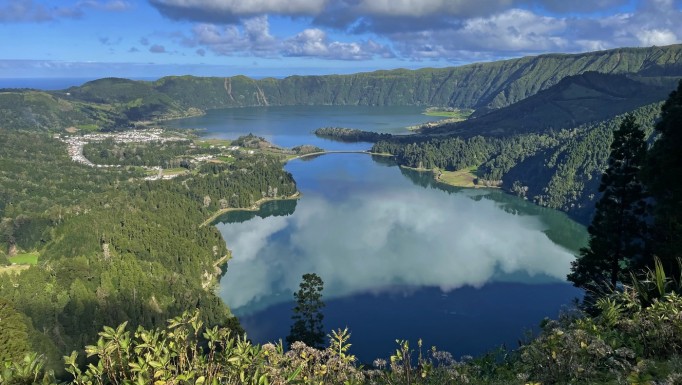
x: 460, y: 178
x: 337, y: 152
x: 255, y: 207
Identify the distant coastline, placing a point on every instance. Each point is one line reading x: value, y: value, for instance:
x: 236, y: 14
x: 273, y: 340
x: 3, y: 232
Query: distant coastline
x: 53, y: 84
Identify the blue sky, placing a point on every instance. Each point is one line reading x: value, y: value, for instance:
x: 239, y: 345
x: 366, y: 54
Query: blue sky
x: 152, y: 38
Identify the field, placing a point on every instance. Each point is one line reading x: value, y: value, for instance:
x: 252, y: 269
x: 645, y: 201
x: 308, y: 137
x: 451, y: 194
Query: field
x: 175, y: 171
x: 20, y: 262
x: 460, y: 178
x: 25, y: 258
x: 456, y: 114
x: 207, y: 143
x: 225, y: 159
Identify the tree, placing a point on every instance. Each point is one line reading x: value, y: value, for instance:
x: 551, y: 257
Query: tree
x: 618, y: 230
x: 663, y: 177
x: 14, y: 338
x: 308, y: 327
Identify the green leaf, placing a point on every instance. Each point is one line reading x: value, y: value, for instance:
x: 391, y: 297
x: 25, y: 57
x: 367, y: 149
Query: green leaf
x: 295, y: 374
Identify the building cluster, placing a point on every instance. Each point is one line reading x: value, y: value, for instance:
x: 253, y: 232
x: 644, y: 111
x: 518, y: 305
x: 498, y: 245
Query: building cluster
x: 75, y: 143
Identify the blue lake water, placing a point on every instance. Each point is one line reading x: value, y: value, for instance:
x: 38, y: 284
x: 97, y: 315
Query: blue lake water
x: 401, y: 256
x: 290, y: 126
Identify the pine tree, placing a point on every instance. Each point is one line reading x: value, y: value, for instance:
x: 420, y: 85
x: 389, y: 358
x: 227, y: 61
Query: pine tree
x: 618, y: 230
x: 308, y: 327
x: 14, y: 337
x: 663, y: 178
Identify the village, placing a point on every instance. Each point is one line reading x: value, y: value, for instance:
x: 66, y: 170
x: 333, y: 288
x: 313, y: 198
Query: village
x: 76, y: 143
x: 75, y: 146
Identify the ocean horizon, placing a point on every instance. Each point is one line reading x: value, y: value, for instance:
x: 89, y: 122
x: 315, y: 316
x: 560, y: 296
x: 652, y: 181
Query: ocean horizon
x: 51, y: 84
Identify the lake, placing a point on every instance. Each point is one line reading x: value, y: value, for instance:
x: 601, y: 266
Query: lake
x: 290, y: 126
x: 401, y: 256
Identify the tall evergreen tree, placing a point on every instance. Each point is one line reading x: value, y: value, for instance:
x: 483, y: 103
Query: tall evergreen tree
x: 663, y: 177
x: 308, y: 327
x: 618, y: 229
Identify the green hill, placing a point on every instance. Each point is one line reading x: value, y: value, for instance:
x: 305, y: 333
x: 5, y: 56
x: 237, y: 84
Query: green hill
x: 480, y: 86
x: 557, y: 169
x: 136, y: 100
x: 575, y: 100
x: 113, y: 103
x: 36, y: 110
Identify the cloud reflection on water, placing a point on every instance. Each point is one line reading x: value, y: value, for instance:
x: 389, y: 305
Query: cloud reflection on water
x: 381, y: 239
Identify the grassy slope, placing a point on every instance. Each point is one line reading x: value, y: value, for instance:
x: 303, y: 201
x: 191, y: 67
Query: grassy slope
x: 575, y: 100
x: 30, y: 258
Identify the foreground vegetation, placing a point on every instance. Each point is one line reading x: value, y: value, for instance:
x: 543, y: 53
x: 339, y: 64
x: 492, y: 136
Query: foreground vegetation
x: 636, y: 339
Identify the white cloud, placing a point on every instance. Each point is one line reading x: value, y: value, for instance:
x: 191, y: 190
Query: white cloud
x: 515, y: 29
x: 196, y: 9
x: 656, y: 37
x: 458, y: 31
x: 315, y: 43
x: 252, y: 37
x: 500, y: 35
x: 517, y: 32
x: 580, y: 6
x: 229, y: 11
x: 420, y: 8
x: 254, y: 236
x: 654, y: 22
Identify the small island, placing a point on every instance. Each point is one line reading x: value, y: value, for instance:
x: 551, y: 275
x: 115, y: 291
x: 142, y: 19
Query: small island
x: 350, y: 135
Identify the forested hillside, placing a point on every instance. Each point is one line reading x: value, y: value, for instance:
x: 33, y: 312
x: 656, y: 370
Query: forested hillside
x: 557, y: 169
x: 111, y: 246
x: 575, y: 100
x: 37, y: 110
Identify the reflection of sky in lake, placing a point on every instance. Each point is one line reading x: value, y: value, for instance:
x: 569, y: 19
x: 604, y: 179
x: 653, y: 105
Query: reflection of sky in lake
x: 363, y: 228
x: 400, y: 257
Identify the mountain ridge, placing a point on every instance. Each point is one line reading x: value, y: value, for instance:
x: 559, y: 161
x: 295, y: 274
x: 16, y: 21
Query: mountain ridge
x: 575, y: 100
x: 479, y: 85
x: 112, y: 103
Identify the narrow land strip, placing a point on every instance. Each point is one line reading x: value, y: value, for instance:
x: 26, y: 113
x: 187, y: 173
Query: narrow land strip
x: 255, y: 207
x: 337, y: 152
